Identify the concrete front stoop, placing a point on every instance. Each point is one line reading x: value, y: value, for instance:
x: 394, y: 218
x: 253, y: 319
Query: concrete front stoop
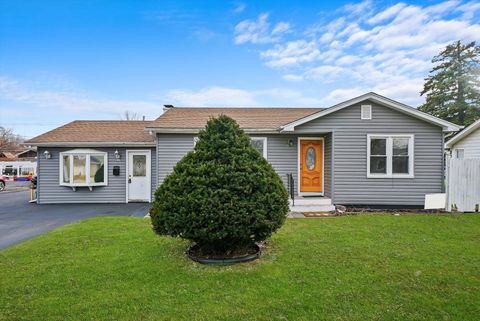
x: 311, y: 204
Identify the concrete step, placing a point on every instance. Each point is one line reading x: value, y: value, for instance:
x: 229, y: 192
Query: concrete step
x: 311, y: 208
x: 311, y: 201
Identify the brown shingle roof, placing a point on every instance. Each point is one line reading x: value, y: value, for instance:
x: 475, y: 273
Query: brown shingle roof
x: 121, y: 131
x: 86, y: 131
x: 247, y: 118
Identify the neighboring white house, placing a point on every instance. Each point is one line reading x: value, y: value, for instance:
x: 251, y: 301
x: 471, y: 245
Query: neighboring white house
x: 463, y: 170
x: 467, y: 143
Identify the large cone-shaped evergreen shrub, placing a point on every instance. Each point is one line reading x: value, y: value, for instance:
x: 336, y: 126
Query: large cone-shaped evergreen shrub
x: 223, y: 195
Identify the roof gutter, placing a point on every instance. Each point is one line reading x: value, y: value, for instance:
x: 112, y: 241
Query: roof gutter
x: 470, y: 129
x: 160, y: 130
x: 90, y: 144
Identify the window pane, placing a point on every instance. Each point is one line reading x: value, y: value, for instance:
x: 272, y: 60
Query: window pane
x: 460, y: 153
x: 400, y: 147
x: 310, y: 158
x: 97, y: 172
x: 378, y: 164
x: 400, y: 165
x: 79, y: 169
x: 26, y: 171
x: 66, y: 169
x: 378, y: 146
x: 258, y: 144
x: 139, y: 165
x: 10, y: 170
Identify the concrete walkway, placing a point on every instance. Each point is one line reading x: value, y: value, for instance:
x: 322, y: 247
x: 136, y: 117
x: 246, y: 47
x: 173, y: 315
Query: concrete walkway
x: 21, y: 220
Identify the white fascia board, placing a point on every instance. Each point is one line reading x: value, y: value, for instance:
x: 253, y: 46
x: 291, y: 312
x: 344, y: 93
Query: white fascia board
x: 447, y: 126
x: 93, y: 144
x: 197, y: 130
x: 467, y: 131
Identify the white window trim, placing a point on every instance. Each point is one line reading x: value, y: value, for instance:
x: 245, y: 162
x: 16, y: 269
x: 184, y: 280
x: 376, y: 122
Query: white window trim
x: 87, y: 153
x: 369, y: 117
x: 149, y: 170
x: 265, y: 153
x: 389, y: 137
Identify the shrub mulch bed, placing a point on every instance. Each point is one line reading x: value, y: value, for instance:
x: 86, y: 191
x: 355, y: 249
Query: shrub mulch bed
x: 361, y: 210
x: 319, y: 214
x: 364, y: 210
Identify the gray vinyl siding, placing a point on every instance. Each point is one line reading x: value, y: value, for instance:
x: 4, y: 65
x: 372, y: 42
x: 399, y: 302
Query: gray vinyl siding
x: 350, y: 182
x: 471, y: 145
x: 50, y: 191
x: 153, y: 180
x: 284, y: 158
x: 170, y: 149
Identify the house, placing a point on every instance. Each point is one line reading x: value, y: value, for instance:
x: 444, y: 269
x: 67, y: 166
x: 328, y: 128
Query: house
x: 466, y: 144
x: 463, y: 170
x: 369, y: 150
x: 29, y: 154
x: 18, y: 163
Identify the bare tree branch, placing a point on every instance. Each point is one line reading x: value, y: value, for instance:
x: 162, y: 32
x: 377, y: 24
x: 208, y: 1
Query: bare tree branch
x: 9, y: 140
x: 130, y: 115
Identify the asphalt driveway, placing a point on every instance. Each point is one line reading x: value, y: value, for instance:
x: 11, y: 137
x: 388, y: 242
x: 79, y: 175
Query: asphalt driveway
x: 21, y: 220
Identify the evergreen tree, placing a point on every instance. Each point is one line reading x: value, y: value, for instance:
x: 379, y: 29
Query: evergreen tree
x: 223, y: 195
x: 453, y: 87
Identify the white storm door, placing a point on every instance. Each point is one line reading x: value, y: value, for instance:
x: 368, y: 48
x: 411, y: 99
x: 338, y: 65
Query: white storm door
x: 138, y: 179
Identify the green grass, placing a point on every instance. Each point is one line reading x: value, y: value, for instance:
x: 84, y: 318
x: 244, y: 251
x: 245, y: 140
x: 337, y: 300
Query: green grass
x: 371, y: 267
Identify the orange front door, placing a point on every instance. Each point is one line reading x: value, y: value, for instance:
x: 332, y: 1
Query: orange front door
x: 311, y: 166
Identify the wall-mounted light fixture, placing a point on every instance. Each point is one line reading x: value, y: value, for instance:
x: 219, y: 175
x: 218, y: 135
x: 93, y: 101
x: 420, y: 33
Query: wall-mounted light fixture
x: 47, y: 154
x: 117, y: 154
x: 290, y: 142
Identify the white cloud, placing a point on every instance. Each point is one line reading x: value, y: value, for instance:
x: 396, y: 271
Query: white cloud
x: 230, y: 97
x: 386, y: 49
x: 387, y: 13
x: 359, y: 8
x: 69, y: 100
x: 212, y: 96
x: 281, y: 27
x: 292, y: 77
x: 259, y: 31
x: 291, y: 53
x: 469, y: 9
x: 240, y: 8
x: 347, y: 60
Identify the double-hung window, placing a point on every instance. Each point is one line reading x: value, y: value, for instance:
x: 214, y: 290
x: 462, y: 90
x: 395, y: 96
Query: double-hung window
x: 82, y: 167
x: 390, y: 156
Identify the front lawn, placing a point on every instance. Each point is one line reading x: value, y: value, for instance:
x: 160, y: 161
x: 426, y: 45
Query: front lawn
x: 372, y: 267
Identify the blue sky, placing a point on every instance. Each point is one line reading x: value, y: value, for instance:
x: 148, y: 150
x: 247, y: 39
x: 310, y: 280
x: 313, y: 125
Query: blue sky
x: 67, y: 60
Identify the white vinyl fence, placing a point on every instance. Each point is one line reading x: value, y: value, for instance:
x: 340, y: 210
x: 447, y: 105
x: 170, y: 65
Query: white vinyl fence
x: 463, y: 185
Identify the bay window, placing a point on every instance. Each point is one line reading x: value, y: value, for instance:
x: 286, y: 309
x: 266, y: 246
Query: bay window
x: 82, y: 167
x: 390, y: 156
